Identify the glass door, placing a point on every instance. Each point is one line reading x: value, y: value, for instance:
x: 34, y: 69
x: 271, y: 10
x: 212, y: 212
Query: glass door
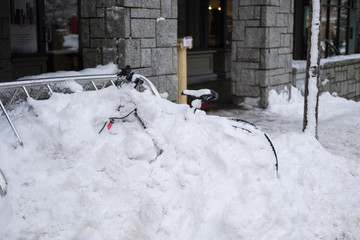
x: 62, y: 34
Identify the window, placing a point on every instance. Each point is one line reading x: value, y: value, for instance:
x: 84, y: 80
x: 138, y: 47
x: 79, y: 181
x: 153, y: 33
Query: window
x: 220, y: 23
x: 23, y: 27
x: 335, y: 30
x: 62, y: 34
x: 209, y: 22
x: 338, y: 24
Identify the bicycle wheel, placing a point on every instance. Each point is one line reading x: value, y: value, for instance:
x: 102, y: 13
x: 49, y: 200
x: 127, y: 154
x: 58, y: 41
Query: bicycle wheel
x: 252, y: 129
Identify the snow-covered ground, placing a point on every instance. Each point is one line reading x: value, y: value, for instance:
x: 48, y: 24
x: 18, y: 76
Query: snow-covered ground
x: 339, y: 120
x: 186, y: 176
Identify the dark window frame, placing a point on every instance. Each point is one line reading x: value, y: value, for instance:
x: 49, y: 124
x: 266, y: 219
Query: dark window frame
x: 329, y: 47
x: 40, y: 34
x: 202, y: 15
x: 300, y: 43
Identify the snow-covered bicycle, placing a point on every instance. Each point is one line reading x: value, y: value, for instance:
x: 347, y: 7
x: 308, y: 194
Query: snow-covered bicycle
x: 127, y: 78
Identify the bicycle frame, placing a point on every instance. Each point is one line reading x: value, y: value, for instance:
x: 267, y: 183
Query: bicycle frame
x: 151, y: 85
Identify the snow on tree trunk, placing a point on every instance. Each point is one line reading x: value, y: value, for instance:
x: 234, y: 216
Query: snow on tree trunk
x: 311, y: 99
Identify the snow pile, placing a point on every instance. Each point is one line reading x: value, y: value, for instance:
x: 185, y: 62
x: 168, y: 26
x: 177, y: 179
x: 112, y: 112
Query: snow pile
x: 186, y: 176
x: 339, y: 125
x: 110, y: 68
x: 330, y: 106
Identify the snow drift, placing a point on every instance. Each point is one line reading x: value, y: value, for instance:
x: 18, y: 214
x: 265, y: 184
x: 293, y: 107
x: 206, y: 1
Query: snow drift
x: 187, y: 176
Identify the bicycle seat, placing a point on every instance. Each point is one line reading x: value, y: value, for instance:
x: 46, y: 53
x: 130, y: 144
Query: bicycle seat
x: 204, y: 95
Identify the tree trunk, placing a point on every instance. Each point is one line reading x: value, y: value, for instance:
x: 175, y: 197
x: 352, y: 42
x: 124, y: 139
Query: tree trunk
x: 311, y: 98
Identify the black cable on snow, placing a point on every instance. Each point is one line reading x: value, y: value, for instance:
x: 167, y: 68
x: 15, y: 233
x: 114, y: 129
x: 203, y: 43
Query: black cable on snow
x: 112, y: 119
x: 243, y: 121
x: 120, y: 118
x: 273, y: 148
x: 244, y: 129
x: 140, y: 120
x: 266, y: 136
x: 102, y: 127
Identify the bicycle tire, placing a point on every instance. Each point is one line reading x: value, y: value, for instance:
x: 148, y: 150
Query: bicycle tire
x: 251, y: 128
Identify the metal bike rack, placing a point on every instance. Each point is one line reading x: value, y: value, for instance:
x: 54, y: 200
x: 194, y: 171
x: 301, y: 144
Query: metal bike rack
x: 11, y: 91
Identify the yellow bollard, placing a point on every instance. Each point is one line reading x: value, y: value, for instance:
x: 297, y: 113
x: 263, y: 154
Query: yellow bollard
x: 182, y: 45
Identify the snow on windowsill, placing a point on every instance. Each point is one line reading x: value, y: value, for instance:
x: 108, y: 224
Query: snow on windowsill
x: 301, y: 64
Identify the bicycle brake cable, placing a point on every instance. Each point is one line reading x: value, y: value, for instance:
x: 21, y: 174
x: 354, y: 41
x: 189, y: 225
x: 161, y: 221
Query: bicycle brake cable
x: 112, y: 120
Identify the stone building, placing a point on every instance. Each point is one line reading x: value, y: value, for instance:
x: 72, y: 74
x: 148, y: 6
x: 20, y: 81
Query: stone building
x: 242, y: 48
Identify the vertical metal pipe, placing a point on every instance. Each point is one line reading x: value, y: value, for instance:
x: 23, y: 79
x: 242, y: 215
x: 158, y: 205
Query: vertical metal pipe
x: 12, y: 98
x: 92, y: 82
x: 3, y: 184
x: 103, y: 86
x: 11, y: 124
x: 50, y: 90
x: 26, y: 92
x: 39, y: 93
x: 182, y: 70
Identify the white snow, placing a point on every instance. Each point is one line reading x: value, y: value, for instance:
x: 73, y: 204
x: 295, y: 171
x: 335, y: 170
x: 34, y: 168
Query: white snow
x: 339, y: 58
x: 312, y: 97
x: 325, y: 81
x: 197, y: 93
x: 71, y: 42
x: 301, y: 64
x: 110, y: 68
x: 160, y: 19
x: 187, y: 176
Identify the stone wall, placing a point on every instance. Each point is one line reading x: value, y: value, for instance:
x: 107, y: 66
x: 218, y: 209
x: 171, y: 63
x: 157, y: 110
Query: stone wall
x: 5, y: 54
x: 139, y: 33
x: 339, y: 75
x: 261, y: 47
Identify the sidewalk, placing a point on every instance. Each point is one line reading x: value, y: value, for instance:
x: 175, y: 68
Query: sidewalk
x: 338, y: 129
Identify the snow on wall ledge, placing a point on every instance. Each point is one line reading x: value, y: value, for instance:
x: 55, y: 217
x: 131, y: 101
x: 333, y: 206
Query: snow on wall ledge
x: 339, y: 75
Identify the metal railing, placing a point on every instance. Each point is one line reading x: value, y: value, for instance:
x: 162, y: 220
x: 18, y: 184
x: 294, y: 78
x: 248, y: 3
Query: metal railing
x: 329, y: 46
x: 42, y: 88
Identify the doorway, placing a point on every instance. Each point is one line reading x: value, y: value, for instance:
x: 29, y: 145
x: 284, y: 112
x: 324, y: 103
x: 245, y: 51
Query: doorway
x: 209, y: 22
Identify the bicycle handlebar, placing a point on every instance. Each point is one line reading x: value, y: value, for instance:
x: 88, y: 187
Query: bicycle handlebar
x: 204, y: 95
x: 126, y: 72
x: 137, y: 79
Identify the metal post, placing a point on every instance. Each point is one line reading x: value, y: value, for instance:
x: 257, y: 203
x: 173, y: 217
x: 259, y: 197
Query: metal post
x: 3, y: 184
x: 30, y: 83
x: 26, y: 92
x: 50, y: 90
x: 182, y: 69
x: 12, y: 98
x: 92, y: 82
x: 11, y: 124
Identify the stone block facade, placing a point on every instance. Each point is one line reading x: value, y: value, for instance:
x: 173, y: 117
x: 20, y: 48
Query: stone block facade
x: 139, y: 33
x: 261, y: 47
x: 337, y: 75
